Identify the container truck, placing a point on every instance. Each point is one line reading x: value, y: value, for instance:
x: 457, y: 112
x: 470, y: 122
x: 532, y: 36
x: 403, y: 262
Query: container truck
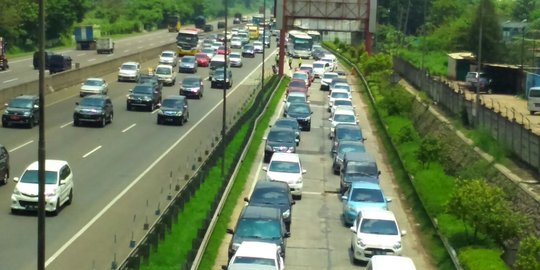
x: 3, y: 58
x: 86, y: 36
x: 173, y: 23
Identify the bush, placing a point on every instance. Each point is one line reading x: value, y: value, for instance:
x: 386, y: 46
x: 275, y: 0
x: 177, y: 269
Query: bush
x: 474, y: 258
x: 528, y: 256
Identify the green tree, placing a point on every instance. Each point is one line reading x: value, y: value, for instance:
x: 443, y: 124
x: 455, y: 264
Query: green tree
x: 429, y: 150
x: 522, y: 9
x: 528, y: 255
x: 62, y: 14
x: 486, y: 16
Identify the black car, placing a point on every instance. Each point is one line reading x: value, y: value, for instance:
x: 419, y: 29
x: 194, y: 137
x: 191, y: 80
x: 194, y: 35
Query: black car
x: 22, y: 110
x: 59, y: 63
x: 221, y: 25
x: 290, y: 123
x: 349, y: 132
x: 259, y: 223
x: 4, y: 165
x: 236, y: 21
x: 358, y: 166
x: 174, y: 109
x: 274, y: 194
x: 218, y: 78
x: 248, y: 51
x: 341, y: 149
x: 208, y: 28
x: 318, y: 54
x: 192, y: 86
x: 152, y: 79
x: 280, y: 139
x: 35, y: 60
x: 302, y: 113
x: 144, y: 95
x: 94, y: 109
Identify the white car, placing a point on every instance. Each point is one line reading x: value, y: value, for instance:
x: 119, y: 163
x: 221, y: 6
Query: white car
x: 129, y: 71
x: 337, y: 93
x: 342, y: 116
x: 236, y: 43
x: 319, y: 68
x: 331, y: 60
x: 286, y: 167
x: 235, y: 59
x: 166, y: 74
x: 257, y: 46
x: 58, y: 187
x: 216, y: 45
x: 383, y: 262
x: 209, y: 51
x: 257, y: 255
x: 94, y: 86
x: 168, y: 58
x: 340, y: 86
x: 343, y: 103
x: 375, y: 232
x: 326, y: 80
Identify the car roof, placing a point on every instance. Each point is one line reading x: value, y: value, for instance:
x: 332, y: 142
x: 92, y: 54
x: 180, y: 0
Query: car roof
x: 26, y: 97
x: 235, y: 54
x: 298, y: 93
x: 50, y: 165
x: 348, y: 111
x: 392, y: 262
x: 96, y: 96
x: 130, y: 63
x: 306, y: 65
x: 274, y: 128
x: 331, y: 73
x: 339, y: 90
x: 256, y: 249
x: 290, y: 157
x: 93, y: 78
x: 377, y: 213
x: 342, y: 99
x: 164, y: 66
x: 359, y: 156
x: 176, y: 97
x: 254, y: 211
x: 365, y: 185
x: 192, y: 77
x: 347, y: 126
x: 287, y: 119
x: 167, y: 52
x: 271, y: 184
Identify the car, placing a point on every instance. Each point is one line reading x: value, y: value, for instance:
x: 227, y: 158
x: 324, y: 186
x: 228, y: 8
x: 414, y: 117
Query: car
x: 209, y: 51
x: 256, y: 255
x: 383, y: 262
x: 235, y: 59
x: 188, y: 63
x: 221, y: 50
x: 174, y: 109
x: 375, y: 232
x: 216, y: 45
x: 244, y: 19
x: 218, y: 61
x: 286, y: 167
x: 4, y: 165
x: 292, y: 97
x: 319, y: 68
x: 318, y: 54
x: 244, y: 36
x: 273, y: 194
x: 472, y: 79
x: 221, y: 37
x: 236, y: 43
x: 357, y: 167
x: 144, y: 95
x: 301, y: 75
x: 166, y: 74
x: 297, y: 85
x: 326, y: 79
x: 258, y: 46
x: 266, y: 40
x: 341, y: 116
x: 22, y: 110
x: 343, y: 147
x: 151, y: 79
x: 219, y: 80
x: 59, y: 63
x: 346, y: 132
x: 168, y: 58
x: 339, y: 83
x: 203, y: 60
x: 331, y: 60
x: 308, y: 68
x: 221, y: 25
x: 93, y: 109
x: 207, y: 42
x: 342, y: 103
x: 362, y: 195
x: 93, y: 86
x: 259, y: 223
x: 289, y: 123
x: 337, y: 93
x: 129, y: 71
x: 236, y: 21
x: 279, y: 139
x: 248, y: 51
x: 302, y: 113
x: 192, y: 86
x: 58, y: 187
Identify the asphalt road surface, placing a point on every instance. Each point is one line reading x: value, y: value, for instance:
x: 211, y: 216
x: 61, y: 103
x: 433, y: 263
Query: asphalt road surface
x: 121, y: 172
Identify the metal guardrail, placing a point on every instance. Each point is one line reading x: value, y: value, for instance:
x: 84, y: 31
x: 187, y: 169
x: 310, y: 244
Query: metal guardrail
x: 450, y: 250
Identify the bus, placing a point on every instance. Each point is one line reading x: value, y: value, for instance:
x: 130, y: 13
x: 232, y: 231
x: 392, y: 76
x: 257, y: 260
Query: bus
x: 187, y: 42
x: 257, y: 19
x: 299, y: 44
x: 315, y: 36
x: 253, y: 32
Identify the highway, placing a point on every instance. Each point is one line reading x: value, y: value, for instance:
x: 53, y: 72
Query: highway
x: 122, y: 172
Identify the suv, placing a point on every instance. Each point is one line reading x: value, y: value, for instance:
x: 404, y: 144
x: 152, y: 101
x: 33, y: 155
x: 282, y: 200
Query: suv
x: 59, y: 63
x: 192, y: 86
x: 280, y: 139
x: 22, y: 110
x: 358, y: 166
x: 4, y: 165
x: 129, y: 71
x: 472, y: 78
x: 144, y: 95
x: 273, y: 194
x: 168, y: 58
x: 166, y: 74
x: 219, y: 79
x: 58, y: 187
x: 174, y: 109
x: 152, y: 79
x: 94, y: 109
x: 259, y: 223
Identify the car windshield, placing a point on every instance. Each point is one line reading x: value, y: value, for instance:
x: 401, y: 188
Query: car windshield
x: 284, y: 167
x: 306, y: 69
x: 281, y: 136
x: 234, y: 56
x: 186, y: 59
x: 342, y: 86
x: 362, y: 169
x: 167, y: 54
x: 258, y: 228
x: 257, y: 43
x: 378, y: 226
x: 236, y: 40
x: 142, y: 89
x: 299, y: 108
x: 346, y: 148
x: 342, y: 102
x: 164, y: 71
x: 296, y: 99
x: 286, y: 123
x: 200, y: 56
x: 318, y: 65
x: 250, y: 47
x: 191, y: 82
x: 208, y: 51
x: 31, y: 177
x: 172, y: 103
x: 92, y: 102
x: 366, y: 195
x: 20, y: 103
x: 339, y: 95
x: 350, y: 134
x: 269, y: 196
x: 344, y: 118
x: 297, y: 84
x: 93, y: 82
x: 329, y: 76
x: 253, y: 260
x: 129, y: 67
x: 301, y: 76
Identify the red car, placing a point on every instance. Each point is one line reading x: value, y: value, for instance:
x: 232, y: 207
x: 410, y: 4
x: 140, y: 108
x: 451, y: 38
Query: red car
x: 297, y: 85
x: 203, y: 60
x: 309, y: 71
x: 221, y: 50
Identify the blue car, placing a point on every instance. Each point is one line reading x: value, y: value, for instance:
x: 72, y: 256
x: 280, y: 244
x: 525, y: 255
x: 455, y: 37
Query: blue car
x: 362, y: 195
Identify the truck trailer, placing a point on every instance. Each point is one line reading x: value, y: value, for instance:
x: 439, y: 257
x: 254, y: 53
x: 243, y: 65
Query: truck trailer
x: 3, y: 58
x: 86, y: 36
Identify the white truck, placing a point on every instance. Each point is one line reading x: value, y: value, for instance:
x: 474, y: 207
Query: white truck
x: 104, y: 45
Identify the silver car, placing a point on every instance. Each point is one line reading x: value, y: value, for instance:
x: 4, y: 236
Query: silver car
x: 235, y: 59
x: 94, y: 86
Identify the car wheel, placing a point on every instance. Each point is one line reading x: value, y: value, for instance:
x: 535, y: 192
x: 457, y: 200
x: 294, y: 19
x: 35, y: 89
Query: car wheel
x: 128, y: 107
x: 181, y: 121
x: 31, y: 123
x: 103, y: 121
x: 159, y: 121
x: 4, y: 124
x: 151, y: 107
x: 532, y: 112
x: 76, y: 122
x: 57, y: 208
x: 111, y: 118
x: 14, y: 211
x: 308, y: 128
x: 70, y: 198
x: 5, y: 178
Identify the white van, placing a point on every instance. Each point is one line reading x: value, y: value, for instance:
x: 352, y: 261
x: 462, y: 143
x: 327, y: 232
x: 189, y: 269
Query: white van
x: 533, y: 99
x: 390, y: 262
x: 217, y: 61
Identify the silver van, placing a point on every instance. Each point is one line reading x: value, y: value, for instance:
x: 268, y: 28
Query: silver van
x: 533, y: 99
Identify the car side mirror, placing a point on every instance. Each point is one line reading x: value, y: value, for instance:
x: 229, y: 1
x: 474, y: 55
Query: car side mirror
x: 230, y: 231
x: 330, y: 119
x: 353, y: 229
x: 304, y: 171
x: 36, y: 106
x: 344, y: 198
x: 223, y: 267
x: 265, y: 169
x: 388, y: 199
x: 62, y: 182
x: 246, y: 199
x: 379, y: 173
x: 77, y: 103
x: 15, y: 179
x: 403, y: 232
x: 293, y: 202
x: 130, y: 90
x: 287, y: 234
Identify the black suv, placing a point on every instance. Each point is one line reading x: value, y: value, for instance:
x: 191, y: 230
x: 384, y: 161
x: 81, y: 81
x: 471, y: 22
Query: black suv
x: 152, y: 79
x: 59, y: 63
x: 22, y: 110
x: 4, y: 165
x: 144, y: 95
x: 218, y: 79
x: 174, y: 109
x: 274, y: 194
x: 280, y: 139
x: 358, y: 166
x: 302, y: 113
x: 94, y: 109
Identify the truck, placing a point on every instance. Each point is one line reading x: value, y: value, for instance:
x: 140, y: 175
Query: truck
x: 104, y: 45
x: 3, y: 58
x: 86, y: 36
x: 173, y: 23
x: 200, y: 22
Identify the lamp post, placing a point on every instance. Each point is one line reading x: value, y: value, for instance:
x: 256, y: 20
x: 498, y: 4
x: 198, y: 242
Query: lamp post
x: 41, y: 142
x: 479, y: 67
x: 523, y: 26
x: 224, y: 113
x: 264, y: 43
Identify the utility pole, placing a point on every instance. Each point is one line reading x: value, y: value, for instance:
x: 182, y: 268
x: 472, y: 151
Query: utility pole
x: 224, y: 113
x: 479, y: 67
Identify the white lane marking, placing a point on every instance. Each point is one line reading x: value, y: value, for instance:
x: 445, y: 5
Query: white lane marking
x: 93, y: 150
x: 134, y: 182
x: 10, y: 80
x: 311, y: 192
x: 128, y: 128
x: 81, y: 54
x: 155, y: 111
x: 9, y: 70
x: 21, y: 146
x: 66, y: 124
x: 110, y: 54
x: 126, y: 50
x: 93, y: 59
